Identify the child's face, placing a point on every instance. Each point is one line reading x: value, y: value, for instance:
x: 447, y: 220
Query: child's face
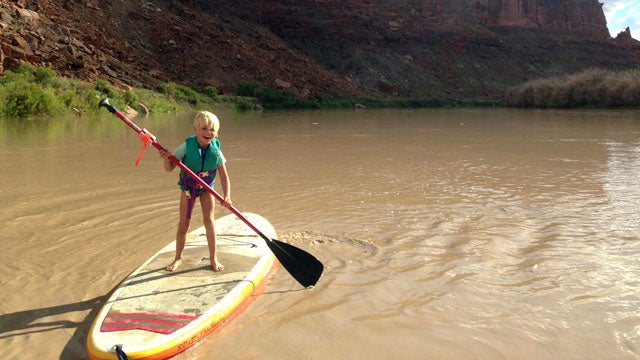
x: 205, y: 134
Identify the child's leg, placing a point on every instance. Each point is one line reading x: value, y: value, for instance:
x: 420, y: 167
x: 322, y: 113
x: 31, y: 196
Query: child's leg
x: 181, y: 233
x: 208, y: 204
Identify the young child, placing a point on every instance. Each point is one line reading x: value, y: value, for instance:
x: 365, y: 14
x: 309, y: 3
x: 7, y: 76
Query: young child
x: 201, y: 153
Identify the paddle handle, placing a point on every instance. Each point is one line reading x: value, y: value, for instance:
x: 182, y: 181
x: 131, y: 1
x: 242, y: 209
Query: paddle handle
x: 112, y: 109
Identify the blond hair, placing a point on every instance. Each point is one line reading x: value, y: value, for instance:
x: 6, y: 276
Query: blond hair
x: 208, y: 119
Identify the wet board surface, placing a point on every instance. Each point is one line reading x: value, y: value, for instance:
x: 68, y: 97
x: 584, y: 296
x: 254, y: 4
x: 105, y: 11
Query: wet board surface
x: 155, y: 314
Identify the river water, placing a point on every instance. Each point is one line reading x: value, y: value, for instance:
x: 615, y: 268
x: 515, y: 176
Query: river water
x: 446, y: 234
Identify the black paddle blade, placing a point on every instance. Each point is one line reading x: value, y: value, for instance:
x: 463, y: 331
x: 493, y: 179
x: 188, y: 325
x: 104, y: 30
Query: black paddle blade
x: 304, y: 267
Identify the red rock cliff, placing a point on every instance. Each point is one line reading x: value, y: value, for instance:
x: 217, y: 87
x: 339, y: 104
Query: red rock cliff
x: 403, y: 48
x: 584, y: 16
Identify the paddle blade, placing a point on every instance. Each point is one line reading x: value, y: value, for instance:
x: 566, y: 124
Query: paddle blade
x: 304, y: 267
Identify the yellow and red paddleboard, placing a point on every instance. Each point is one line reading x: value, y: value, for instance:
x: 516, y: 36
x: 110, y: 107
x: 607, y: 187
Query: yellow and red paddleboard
x: 155, y: 314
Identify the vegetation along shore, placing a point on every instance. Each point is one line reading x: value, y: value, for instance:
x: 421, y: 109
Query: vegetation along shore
x: 39, y: 91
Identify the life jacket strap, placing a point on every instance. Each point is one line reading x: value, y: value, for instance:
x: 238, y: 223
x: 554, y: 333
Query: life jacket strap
x: 194, y: 189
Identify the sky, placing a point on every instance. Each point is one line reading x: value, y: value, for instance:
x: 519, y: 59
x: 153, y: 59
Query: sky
x: 621, y: 14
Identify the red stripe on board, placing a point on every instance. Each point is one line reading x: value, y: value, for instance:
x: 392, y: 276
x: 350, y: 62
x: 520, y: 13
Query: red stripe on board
x: 153, y: 314
x: 163, y: 331
x: 163, y: 323
x: 175, y: 324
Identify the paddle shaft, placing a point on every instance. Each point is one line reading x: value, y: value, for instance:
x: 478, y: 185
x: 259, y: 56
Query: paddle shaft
x: 184, y: 168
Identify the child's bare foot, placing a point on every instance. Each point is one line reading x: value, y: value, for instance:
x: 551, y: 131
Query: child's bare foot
x: 217, y: 266
x: 174, y: 265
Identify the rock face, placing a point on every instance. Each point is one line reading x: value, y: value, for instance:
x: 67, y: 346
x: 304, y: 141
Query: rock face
x: 625, y: 36
x: 472, y: 49
x: 582, y: 16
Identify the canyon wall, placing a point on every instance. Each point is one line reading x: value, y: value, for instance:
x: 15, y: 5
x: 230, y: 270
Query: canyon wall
x: 460, y: 49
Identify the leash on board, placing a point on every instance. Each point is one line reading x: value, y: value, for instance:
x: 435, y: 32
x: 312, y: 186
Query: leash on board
x: 121, y: 354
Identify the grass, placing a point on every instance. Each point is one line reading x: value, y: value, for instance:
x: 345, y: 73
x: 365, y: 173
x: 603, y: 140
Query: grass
x: 596, y: 88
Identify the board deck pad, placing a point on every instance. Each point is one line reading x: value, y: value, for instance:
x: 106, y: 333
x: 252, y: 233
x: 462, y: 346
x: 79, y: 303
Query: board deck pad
x: 195, y: 279
x: 159, y: 303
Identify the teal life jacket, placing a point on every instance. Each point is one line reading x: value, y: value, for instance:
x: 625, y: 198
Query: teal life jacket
x: 203, y: 162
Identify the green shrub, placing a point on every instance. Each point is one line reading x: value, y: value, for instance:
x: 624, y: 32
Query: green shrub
x: 23, y: 99
x: 45, y: 76
x: 241, y: 105
x: 131, y: 98
x: 31, y: 91
x: 178, y: 92
x: 27, y: 71
x: 105, y: 88
x: 211, y: 92
x: 247, y: 89
x: 272, y: 98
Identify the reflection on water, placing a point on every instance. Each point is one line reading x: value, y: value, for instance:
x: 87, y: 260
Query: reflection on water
x: 469, y: 233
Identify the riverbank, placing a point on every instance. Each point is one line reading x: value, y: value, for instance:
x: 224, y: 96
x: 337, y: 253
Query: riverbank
x: 39, y: 91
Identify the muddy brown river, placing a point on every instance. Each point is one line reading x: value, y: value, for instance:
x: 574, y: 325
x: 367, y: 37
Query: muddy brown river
x: 446, y: 234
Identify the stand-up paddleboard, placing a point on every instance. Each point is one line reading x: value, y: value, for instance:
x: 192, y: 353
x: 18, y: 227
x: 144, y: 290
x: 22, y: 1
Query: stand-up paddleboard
x: 155, y: 314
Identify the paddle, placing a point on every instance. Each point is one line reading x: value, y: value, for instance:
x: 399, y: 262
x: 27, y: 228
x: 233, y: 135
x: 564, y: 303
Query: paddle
x: 304, y: 267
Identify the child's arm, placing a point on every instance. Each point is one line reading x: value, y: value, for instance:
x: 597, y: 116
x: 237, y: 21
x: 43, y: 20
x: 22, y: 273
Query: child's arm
x: 179, y: 153
x: 226, y: 185
x: 168, y: 165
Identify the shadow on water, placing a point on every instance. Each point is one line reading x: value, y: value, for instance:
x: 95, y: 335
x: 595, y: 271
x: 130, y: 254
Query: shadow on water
x: 26, y: 322
x: 75, y: 347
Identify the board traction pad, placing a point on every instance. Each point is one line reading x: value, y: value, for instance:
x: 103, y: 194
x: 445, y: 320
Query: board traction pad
x: 155, y: 308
